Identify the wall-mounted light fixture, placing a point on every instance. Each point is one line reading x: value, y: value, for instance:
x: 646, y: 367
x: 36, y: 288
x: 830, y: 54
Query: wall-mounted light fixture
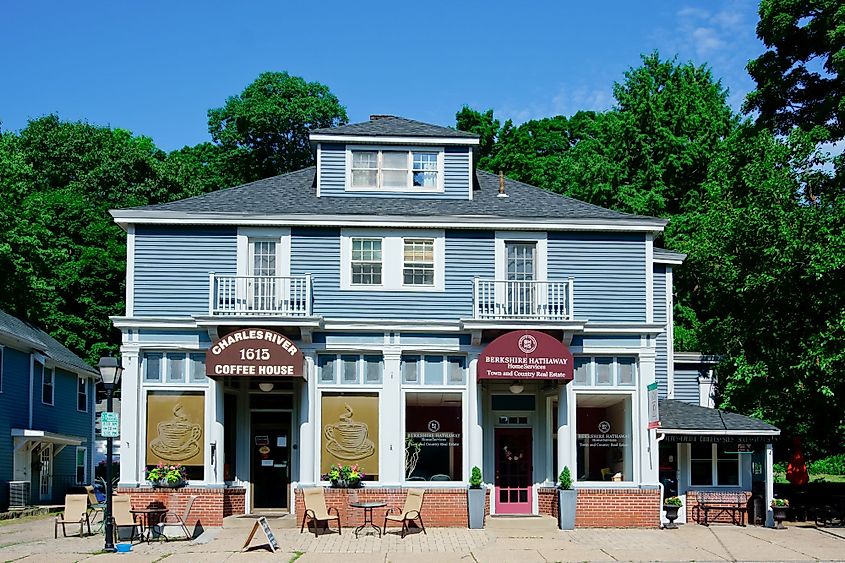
x: 516, y: 387
x: 265, y: 386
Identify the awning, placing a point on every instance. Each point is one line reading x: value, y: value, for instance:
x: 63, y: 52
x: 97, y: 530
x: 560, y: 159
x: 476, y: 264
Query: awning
x: 526, y: 354
x: 22, y: 437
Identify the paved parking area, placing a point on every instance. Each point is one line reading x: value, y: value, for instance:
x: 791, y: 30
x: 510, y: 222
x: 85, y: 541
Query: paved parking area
x: 522, y: 540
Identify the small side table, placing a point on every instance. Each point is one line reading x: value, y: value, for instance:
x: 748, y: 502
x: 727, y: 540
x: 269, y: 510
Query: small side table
x: 147, y: 519
x: 368, y: 515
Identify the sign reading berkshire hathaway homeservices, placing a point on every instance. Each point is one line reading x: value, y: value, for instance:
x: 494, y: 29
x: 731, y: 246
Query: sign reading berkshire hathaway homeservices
x: 526, y: 354
x: 253, y: 351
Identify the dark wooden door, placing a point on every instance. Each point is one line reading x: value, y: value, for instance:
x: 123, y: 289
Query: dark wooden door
x: 514, y: 470
x: 270, y: 459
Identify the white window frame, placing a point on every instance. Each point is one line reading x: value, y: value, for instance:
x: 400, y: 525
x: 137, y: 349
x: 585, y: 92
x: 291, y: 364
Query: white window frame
x: 421, y: 363
x: 380, y: 149
x: 714, y: 470
x: 369, y: 390
x: 360, y: 369
x: 247, y: 235
x: 419, y: 265
x: 392, y: 258
x: 380, y: 262
x: 164, y: 368
x: 84, y: 480
x: 614, y: 371
x: 441, y: 389
x: 52, y: 386
x: 636, y: 454
x: 84, y: 381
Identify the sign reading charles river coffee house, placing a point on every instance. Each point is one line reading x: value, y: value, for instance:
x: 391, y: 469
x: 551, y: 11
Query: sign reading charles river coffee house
x: 254, y: 352
x: 526, y: 354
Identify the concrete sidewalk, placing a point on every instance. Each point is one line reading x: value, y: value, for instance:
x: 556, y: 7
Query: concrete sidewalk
x: 523, y: 540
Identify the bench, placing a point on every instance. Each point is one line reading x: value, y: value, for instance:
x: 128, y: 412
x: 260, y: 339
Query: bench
x: 734, y: 503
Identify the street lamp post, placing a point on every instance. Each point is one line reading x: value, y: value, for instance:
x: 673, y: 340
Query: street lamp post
x: 110, y: 371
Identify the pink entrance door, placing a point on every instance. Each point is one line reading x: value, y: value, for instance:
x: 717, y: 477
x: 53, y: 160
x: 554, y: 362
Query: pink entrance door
x: 513, y: 470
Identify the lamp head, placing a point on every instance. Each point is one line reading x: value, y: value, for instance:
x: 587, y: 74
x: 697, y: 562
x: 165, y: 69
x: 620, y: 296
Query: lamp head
x: 516, y: 387
x: 110, y: 370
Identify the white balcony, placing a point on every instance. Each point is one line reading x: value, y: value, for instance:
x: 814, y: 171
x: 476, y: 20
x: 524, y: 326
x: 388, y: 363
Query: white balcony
x: 522, y: 300
x: 278, y: 296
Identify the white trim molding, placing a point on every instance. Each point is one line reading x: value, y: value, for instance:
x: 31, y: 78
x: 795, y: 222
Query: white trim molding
x: 409, y: 150
x: 391, y: 140
x: 279, y: 235
x: 541, y: 238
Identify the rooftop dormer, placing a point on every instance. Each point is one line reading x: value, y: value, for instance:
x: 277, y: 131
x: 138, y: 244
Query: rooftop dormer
x: 394, y: 157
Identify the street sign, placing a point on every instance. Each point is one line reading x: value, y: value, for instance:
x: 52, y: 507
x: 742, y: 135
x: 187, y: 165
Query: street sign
x: 109, y: 425
x: 653, y: 414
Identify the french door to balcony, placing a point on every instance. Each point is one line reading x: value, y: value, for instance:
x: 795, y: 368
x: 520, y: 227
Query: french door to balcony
x: 263, y: 283
x: 521, y: 298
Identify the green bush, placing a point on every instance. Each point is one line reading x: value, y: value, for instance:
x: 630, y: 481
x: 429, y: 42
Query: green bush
x: 831, y: 465
x: 475, y: 478
x: 565, y: 479
x: 779, y: 467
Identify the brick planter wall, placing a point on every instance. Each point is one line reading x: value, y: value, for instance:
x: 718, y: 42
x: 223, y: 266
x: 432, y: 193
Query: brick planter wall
x: 208, y: 510
x: 618, y: 508
x: 714, y: 516
x: 547, y: 500
x: 441, y: 507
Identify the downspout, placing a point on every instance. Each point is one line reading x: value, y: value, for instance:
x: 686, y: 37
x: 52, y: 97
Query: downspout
x: 658, y: 439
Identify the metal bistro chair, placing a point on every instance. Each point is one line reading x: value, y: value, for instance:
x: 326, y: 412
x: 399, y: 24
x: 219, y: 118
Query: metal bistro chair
x: 410, y: 512
x: 75, y: 512
x: 315, y: 509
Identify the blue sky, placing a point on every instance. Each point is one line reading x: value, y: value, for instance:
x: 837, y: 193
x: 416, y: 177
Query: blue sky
x: 155, y: 68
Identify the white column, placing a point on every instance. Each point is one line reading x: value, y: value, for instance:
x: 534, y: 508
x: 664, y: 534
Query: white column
x: 215, y: 431
x: 647, y: 438
x: 132, y: 452
x: 391, y: 439
x: 770, y: 486
x: 307, y: 398
x: 565, y: 431
x: 475, y: 436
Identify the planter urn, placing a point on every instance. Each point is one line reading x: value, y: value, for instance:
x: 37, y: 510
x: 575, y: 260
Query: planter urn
x: 566, y: 500
x: 476, y: 500
x: 671, y: 515
x: 779, y: 515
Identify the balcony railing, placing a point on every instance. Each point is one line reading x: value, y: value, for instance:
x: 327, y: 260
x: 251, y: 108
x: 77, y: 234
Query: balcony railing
x: 284, y: 296
x: 522, y: 300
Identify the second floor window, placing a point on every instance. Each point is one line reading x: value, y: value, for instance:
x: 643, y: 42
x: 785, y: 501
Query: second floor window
x: 366, y: 261
x: 47, y: 377
x: 418, y: 264
x: 395, y: 169
x: 81, y: 394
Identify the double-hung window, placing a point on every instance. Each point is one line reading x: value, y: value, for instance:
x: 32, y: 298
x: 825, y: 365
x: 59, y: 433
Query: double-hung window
x: 714, y: 464
x: 366, y: 261
x: 48, y: 376
x: 81, y: 394
x: 395, y: 169
x: 418, y: 262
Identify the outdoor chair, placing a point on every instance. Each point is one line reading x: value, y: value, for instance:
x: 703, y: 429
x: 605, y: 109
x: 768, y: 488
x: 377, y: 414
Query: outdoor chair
x: 94, y: 505
x: 315, y: 509
x: 410, y: 512
x: 122, y: 516
x: 180, y: 520
x: 75, y: 512
x: 440, y: 477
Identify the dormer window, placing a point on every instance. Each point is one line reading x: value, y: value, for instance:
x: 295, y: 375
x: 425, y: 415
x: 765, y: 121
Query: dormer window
x: 396, y: 169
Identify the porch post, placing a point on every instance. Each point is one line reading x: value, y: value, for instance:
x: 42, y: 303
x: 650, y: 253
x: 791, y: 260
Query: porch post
x: 216, y: 431
x: 564, y: 433
x: 475, y: 436
x: 307, y: 396
x: 770, y: 486
x: 132, y: 454
x: 392, y: 441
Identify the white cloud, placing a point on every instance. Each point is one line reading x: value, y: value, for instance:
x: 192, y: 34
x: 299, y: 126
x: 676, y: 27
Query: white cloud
x: 568, y: 100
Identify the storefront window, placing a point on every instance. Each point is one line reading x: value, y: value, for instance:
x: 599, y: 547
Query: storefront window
x: 350, y: 432
x: 582, y: 371
x: 604, y: 427
x: 434, y: 369
x: 433, y: 437
x: 349, y: 369
x: 605, y: 371
x: 176, y: 430
x: 714, y: 464
x: 174, y: 367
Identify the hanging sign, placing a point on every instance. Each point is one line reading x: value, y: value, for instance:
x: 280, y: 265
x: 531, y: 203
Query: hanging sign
x: 653, y: 413
x: 254, y: 352
x: 526, y: 354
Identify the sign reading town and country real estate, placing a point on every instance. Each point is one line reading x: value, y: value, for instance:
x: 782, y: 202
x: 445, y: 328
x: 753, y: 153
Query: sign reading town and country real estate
x: 526, y: 354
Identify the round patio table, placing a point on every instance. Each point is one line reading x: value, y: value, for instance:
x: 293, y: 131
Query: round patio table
x: 147, y: 519
x: 368, y: 515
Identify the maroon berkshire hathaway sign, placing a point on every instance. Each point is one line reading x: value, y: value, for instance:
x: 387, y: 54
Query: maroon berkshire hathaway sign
x: 526, y: 354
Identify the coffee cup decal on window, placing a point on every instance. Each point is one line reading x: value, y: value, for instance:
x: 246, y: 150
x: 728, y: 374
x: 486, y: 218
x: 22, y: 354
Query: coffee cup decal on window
x: 178, y: 438
x: 348, y: 439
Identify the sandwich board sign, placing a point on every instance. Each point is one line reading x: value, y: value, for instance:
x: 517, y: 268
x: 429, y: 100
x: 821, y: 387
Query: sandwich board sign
x: 268, y: 533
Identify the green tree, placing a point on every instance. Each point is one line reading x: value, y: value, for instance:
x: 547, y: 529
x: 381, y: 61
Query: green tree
x: 485, y: 126
x: 270, y: 120
x: 801, y: 77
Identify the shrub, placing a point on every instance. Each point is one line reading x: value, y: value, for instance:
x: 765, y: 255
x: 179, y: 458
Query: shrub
x: 475, y: 478
x: 780, y: 502
x: 831, y: 465
x: 564, y: 481
x: 672, y: 501
x: 779, y: 467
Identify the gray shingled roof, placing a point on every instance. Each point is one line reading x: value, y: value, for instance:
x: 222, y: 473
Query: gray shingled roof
x: 392, y: 126
x: 679, y: 415
x: 296, y: 193
x: 41, y: 341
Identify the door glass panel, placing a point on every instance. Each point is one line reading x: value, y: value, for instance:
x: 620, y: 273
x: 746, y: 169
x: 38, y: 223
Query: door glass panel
x: 521, y: 272
x: 263, y: 270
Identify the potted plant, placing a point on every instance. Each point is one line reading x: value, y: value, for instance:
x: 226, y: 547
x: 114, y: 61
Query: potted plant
x: 671, y: 505
x: 566, y: 500
x: 345, y: 476
x: 170, y: 476
x: 779, y: 507
x: 476, y: 497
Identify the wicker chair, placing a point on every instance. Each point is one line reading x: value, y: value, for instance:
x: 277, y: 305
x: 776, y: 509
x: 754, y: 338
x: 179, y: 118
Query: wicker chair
x: 315, y: 509
x: 410, y: 512
x: 75, y: 512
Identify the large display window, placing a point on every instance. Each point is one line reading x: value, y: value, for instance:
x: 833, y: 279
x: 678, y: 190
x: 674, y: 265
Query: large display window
x: 350, y: 432
x: 433, y: 437
x: 176, y: 430
x: 605, y: 443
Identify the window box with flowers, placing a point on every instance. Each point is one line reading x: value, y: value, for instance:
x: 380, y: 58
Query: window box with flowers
x: 167, y: 476
x: 345, y: 476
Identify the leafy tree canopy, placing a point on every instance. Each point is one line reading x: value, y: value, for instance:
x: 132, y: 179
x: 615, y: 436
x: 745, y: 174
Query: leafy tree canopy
x: 270, y: 121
